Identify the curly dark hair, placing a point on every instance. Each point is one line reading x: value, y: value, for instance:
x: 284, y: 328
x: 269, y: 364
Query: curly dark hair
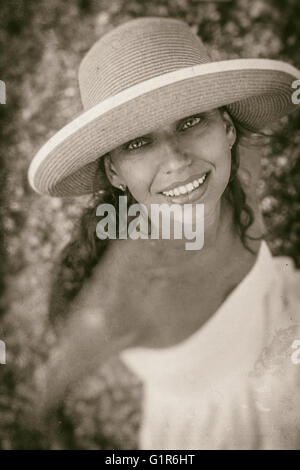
x: 85, y: 249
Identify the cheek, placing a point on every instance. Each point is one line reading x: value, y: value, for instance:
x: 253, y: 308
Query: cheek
x: 219, y: 151
x: 210, y: 143
x: 222, y: 161
x: 137, y: 175
x: 216, y: 151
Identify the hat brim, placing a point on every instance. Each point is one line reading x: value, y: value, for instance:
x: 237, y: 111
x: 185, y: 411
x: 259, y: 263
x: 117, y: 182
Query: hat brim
x: 255, y: 91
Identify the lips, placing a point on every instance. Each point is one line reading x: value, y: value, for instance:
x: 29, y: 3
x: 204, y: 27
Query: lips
x: 182, y: 184
x: 189, y: 192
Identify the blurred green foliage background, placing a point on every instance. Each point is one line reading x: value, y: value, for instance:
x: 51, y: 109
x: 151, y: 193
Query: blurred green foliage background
x: 42, y: 44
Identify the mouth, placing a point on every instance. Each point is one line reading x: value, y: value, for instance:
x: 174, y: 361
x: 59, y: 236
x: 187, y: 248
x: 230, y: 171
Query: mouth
x: 189, y: 192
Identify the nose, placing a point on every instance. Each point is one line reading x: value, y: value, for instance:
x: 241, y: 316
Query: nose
x: 174, y: 157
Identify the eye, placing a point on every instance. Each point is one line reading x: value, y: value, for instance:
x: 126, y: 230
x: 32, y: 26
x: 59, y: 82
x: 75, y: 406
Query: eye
x: 136, y: 143
x: 191, y: 122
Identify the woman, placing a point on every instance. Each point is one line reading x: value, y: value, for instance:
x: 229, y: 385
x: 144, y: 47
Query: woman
x: 209, y: 332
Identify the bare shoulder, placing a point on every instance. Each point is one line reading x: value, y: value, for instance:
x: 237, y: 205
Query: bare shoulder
x: 111, y: 294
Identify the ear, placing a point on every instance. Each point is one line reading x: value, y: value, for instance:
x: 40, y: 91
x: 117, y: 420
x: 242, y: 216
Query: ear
x: 111, y: 171
x: 229, y: 127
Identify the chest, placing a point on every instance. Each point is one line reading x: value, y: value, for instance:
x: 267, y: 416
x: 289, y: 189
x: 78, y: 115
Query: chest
x: 169, y: 308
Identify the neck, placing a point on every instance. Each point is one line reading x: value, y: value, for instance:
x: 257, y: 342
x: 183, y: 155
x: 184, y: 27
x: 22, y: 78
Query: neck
x: 172, y: 255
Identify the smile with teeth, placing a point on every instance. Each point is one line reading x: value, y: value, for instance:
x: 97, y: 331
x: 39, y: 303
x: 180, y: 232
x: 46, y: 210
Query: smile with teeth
x: 187, y: 188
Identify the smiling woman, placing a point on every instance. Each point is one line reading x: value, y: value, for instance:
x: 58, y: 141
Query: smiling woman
x: 175, y: 127
x: 193, y: 149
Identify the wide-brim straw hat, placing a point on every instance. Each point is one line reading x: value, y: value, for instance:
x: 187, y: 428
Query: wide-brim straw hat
x: 142, y: 75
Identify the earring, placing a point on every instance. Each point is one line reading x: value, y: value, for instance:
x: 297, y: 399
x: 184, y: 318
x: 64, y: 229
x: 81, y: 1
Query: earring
x: 122, y: 187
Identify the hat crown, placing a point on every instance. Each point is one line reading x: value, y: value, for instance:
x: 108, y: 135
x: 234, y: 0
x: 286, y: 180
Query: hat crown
x: 136, y: 51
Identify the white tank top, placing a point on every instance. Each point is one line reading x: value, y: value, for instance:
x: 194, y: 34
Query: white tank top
x: 235, y: 382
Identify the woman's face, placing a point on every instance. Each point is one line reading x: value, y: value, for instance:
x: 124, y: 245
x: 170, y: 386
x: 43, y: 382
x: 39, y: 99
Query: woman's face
x: 187, y: 161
